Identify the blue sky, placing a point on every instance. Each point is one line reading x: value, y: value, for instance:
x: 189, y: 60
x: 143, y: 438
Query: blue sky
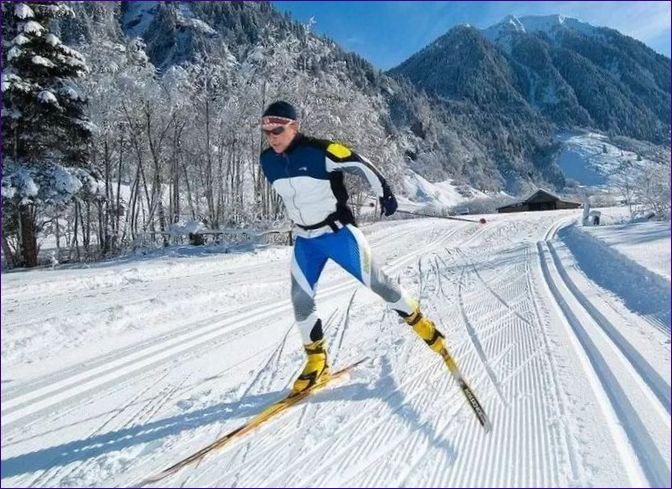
x: 387, y: 33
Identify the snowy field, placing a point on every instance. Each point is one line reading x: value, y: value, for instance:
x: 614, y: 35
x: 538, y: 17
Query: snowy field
x: 115, y: 371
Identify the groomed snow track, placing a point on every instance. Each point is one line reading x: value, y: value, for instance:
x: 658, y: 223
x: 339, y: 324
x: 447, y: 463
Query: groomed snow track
x: 573, y: 401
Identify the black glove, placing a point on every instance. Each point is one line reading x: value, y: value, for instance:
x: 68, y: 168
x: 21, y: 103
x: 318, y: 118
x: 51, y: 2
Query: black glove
x: 388, y: 203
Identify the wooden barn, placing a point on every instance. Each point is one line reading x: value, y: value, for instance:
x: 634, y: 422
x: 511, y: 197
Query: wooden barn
x: 539, y: 201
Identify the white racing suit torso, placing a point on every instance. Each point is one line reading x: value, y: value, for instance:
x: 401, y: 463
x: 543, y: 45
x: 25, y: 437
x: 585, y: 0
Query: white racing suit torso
x: 309, y: 178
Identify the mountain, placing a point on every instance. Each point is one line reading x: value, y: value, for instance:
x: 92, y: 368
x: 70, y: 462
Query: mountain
x: 488, y: 122
x: 453, y: 140
x: 569, y: 72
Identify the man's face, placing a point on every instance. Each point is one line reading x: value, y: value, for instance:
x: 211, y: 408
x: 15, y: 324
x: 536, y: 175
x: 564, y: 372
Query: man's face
x: 279, y: 136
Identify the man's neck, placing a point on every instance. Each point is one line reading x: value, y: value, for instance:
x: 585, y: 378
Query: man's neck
x: 297, y: 137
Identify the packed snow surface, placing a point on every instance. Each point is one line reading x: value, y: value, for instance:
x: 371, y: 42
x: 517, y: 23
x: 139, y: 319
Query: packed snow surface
x: 116, y: 370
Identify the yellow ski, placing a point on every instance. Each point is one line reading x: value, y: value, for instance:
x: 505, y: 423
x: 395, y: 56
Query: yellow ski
x: 271, y: 411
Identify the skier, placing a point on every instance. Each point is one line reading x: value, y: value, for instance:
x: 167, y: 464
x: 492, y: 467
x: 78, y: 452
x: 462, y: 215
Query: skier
x: 308, y: 174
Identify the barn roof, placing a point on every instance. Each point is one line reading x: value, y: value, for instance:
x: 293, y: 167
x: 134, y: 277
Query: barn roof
x: 537, y: 197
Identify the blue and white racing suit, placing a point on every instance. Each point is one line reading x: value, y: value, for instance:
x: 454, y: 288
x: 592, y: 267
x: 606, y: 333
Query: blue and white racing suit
x: 309, y: 178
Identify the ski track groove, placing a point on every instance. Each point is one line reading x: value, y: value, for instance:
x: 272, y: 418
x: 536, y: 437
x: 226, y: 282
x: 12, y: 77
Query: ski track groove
x: 246, y: 446
x: 144, y: 413
x: 478, y: 347
x: 54, y: 473
x: 361, y: 421
x: 189, y: 330
x: 264, y: 378
x: 637, y: 446
x: 360, y: 452
x: 558, y: 394
x: 646, y: 372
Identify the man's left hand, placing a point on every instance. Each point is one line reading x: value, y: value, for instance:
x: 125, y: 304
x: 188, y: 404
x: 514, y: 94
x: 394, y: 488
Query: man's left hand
x: 388, y: 204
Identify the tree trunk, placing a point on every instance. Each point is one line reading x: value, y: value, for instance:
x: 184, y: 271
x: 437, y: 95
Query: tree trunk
x: 104, y: 235
x: 9, y: 254
x: 117, y: 207
x: 75, y: 241
x: 213, y: 224
x: 174, y: 210
x: 28, y: 231
x: 104, y: 216
x: 85, y: 232
x: 58, y: 238
x: 193, y: 205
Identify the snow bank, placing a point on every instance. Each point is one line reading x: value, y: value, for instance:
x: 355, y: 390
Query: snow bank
x: 645, y: 243
x: 642, y: 290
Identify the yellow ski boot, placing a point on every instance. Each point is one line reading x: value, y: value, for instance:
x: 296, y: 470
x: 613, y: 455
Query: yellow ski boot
x: 426, y: 329
x: 316, y: 368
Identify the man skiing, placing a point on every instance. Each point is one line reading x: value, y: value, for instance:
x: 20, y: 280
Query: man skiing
x: 308, y: 174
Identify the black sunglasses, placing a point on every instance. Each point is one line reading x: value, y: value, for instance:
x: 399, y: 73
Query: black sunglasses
x: 275, y: 131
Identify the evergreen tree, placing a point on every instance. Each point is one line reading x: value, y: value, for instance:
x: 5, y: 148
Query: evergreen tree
x: 45, y: 132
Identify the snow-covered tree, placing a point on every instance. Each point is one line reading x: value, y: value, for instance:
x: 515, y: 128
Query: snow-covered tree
x: 652, y: 188
x: 624, y: 180
x: 44, y: 129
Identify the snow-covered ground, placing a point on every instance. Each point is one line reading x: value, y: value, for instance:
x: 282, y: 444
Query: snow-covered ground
x: 642, y: 243
x: 115, y: 371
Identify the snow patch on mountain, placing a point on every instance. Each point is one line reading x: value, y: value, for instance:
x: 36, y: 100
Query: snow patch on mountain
x: 548, y: 24
x: 592, y: 159
x: 186, y: 18
x: 138, y: 17
x: 447, y: 193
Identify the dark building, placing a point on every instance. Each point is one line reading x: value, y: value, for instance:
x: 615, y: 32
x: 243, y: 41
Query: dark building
x: 539, y: 201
